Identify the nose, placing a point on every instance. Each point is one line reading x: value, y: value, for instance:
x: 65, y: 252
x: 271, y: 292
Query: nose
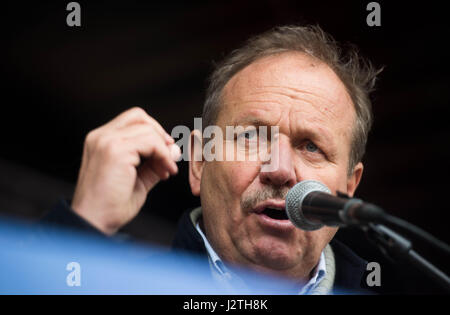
x: 281, y: 171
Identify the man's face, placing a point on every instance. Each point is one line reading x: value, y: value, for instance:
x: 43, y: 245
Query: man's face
x: 315, y: 115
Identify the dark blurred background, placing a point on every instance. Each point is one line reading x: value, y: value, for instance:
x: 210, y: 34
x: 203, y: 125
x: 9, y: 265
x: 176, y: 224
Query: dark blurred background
x: 60, y: 82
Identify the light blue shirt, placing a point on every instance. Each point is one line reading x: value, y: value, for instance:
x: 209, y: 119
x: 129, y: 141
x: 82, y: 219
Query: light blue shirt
x: 222, y: 274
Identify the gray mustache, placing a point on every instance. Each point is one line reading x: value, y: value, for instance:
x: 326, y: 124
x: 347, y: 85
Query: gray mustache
x: 249, y: 202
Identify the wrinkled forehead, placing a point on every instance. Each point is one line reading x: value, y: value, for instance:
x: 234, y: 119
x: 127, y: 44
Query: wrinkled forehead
x: 287, y: 82
x: 291, y: 71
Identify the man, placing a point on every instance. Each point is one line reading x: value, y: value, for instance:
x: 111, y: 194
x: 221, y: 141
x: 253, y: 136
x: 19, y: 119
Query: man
x: 290, y: 77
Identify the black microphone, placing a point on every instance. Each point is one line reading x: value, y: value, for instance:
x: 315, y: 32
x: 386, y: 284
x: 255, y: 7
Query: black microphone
x: 310, y: 205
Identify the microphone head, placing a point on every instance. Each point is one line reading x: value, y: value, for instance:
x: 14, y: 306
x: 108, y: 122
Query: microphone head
x: 294, y: 201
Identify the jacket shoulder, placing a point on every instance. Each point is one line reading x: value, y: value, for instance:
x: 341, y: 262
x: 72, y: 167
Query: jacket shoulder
x: 351, y: 270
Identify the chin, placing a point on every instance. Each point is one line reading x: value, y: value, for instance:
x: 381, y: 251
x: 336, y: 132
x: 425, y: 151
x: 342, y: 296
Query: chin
x: 275, y: 255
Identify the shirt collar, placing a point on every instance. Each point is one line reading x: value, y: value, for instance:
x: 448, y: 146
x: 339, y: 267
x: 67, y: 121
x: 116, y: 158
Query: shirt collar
x: 215, y: 259
x: 319, y: 273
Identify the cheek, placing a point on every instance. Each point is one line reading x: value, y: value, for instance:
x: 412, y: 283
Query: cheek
x: 240, y: 175
x: 223, y: 184
x: 334, y: 177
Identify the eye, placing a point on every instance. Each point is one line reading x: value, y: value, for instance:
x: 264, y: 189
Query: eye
x: 249, y: 134
x: 311, y: 147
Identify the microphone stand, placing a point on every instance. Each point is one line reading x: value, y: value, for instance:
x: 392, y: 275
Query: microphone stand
x: 396, y: 247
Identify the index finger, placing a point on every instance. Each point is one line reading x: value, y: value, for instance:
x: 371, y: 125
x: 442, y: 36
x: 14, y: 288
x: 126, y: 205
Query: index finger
x: 137, y: 115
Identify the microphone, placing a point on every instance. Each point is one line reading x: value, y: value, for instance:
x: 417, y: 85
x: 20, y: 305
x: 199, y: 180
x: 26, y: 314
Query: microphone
x: 310, y: 205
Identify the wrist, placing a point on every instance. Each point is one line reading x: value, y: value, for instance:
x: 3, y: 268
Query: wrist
x: 95, y: 217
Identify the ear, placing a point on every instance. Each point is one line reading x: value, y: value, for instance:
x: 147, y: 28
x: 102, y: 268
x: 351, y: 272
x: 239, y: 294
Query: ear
x: 195, y: 161
x: 354, y: 179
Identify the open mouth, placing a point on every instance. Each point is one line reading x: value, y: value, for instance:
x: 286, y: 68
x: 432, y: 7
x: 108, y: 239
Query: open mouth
x: 277, y: 214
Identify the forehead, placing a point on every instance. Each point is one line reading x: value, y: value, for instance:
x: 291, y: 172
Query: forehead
x: 289, y: 86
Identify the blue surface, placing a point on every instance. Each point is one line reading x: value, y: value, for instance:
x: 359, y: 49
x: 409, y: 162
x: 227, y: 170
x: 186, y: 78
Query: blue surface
x: 33, y: 260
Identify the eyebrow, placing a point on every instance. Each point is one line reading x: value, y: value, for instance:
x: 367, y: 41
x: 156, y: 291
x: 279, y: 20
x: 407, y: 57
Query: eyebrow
x: 305, y: 128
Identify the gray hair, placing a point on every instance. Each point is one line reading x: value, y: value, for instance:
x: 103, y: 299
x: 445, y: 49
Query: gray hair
x: 357, y: 74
